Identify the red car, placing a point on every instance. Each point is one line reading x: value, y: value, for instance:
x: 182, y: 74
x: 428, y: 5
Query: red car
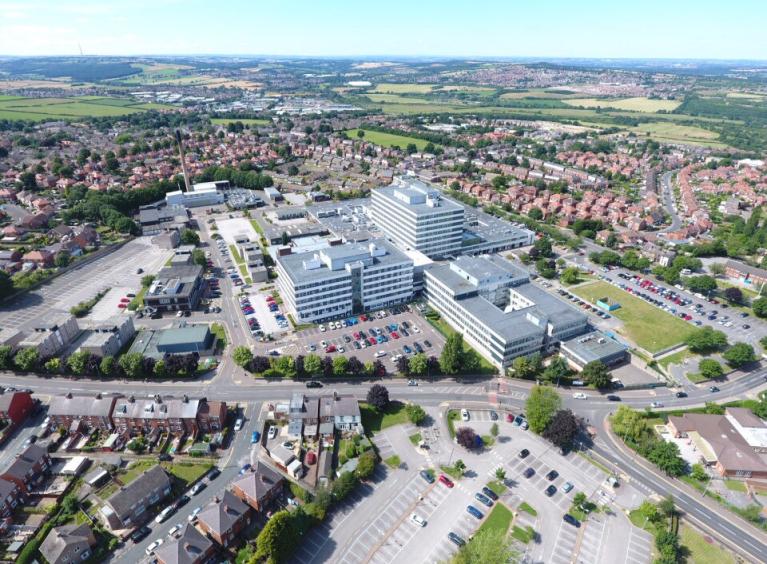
x: 122, y: 306
x: 510, y: 417
x: 363, y: 317
x: 445, y: 480
x: 372, y: 341
x: 330, y: 349
x: 356, y: 336
x: 394, y: 335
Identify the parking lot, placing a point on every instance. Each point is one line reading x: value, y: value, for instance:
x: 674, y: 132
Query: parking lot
x: 118, y: 268
x: 381, y: 329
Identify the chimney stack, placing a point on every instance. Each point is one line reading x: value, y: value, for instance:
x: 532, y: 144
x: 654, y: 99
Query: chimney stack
x: 181, y: 154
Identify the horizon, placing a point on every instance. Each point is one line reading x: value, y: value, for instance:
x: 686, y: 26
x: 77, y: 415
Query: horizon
x: 489, y: 29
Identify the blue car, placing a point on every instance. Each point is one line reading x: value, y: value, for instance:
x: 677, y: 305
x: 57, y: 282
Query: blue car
x: 255, y: 437
x: 475, y: 512
x: 407, y: 349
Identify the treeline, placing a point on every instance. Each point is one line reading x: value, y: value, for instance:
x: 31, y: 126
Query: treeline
x: 83, y: 363
x: 113, y: 207
x: 437, y: 138
x: 150, y: 120
x: 250, y: 179
x: 78, y: 71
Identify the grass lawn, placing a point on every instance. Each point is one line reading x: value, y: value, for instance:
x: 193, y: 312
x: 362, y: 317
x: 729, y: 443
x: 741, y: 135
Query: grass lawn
x: 524, y: 536
x: 452, y: 416
x: 443, y: 327
x: 393, y: 461
x: 235, y: 254
x: 527, y: 508
x: 244, y: 272
x: 696, y: 377
x: 405, y: 88
x: 497, y: 487
x: 646, y: 325
x: 702, y: 551
x: 499, y: 519
x: 452, y: 472
x: 415, y: 438
x: 388, y: 139
x: 188, y: 472
x: 374, y: 420
x: 735, y: 486
x: 135, y: 470
x: 108, y: 490
x: 676, y: 358
x: 257, y: 227
x: 488, y: 440
x: 40, y: 109
x: 220, y: 333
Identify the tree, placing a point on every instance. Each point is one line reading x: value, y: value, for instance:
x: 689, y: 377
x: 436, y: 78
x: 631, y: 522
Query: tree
x: 355, y: 366
x: 535, y: 213
x: 705, y: 340
x: 132, y: 365
x: 665, y: 456
x: 542, y: 403
x: 418, y: 364
x: 562, y: 429
x: 53, y: 365
x: 466, y: 437
x: 277, y: 539
x: 543, y: 247
x: 701, y: 284
x: 489, y: 546
x: 378, y: 396
x: 739, y: 354
x: 629, y: 424
x: 161, y: 369
x: 596, y: 374
x: 546, y: 268
x: 494, y: 429
x: 242, y: 356
x: 579, y: 499
x: 360, y: 133
x: 344, y: 485
x: 526, y: 367
x: 415, y: 413
x: 556, y: 369
x: 403, y: 365
x: 26, y: 359
x: 198, y: 257
x: 452, y: 352
x: 717, y: 268
x: 62, y: 259
x: 77, y: 361
x: 6, y: 285
x: 366, y: 464
x: 733, y: 295
x: 710, y: 368
x: 759, y: 306
x: 190, y: 237
x: 340, y: 365
x: 6, y: 356
x: 500, y: 474
x: 570, y: 275
x: 107, y: 365
x: 147, y: 280
x: 460, y: 466
x: 312, y: 364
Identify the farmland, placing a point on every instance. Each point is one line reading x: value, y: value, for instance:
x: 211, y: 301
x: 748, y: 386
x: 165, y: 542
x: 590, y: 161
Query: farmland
x: 677, y: 133
x: 389, y: 88
x: 389, y: 139
x: 244, y: 121
x: 41, y: 109
x: 638, y: 104
x: 648, y: 326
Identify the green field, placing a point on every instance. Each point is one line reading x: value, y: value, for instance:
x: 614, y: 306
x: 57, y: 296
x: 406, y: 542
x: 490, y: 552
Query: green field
x: 396, y: 99
x: 498, y: 520
x: 638, y: 104
x: 677, y: 133
x: 388, y: 139
x: 403, y: 88
x: 40, y: 109
x: 648, y: 326
x: 246, y: 121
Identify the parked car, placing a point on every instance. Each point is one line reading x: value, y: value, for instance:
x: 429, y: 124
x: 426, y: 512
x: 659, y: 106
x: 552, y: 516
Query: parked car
x: 174, y: 529
x: 426, y: 475
x: 193, y: 515
x: 567, y: 487
x: 474, y: 512
x: 313, y: 384
x: 197, y: 488
x: 445, y: 480
x: 164, y: 514
x: 255, y: 437
x: 465, y: 414
x: 153, y: 546
x: 490, y: 493
x: 418, y: 520
x: 455, y: 539
x: 528, y: 473
x: 238, y: 424
x: 483, y: 499
x: 551, y: 490
x: 552, y: 475
x: 524, y: 453
x: 182, y: 501
x: 272, y: 432
x: 140, y: 534
x: 567, y: 518
x: 613, y: 397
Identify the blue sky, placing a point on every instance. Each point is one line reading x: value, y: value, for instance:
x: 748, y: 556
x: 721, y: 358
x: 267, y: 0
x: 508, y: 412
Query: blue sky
x: 468, y: 28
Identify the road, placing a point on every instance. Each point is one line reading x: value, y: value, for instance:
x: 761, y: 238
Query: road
x: 667, y: 196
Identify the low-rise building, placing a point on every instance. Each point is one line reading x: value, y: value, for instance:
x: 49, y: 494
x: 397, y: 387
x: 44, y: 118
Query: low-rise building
x: 223, y: 519
x: 52, y: 334
x: 15, y: 407
x: 10, y: 496
x: 258, y: 487
x: 191, y: 547
x: 254, y: 260
x: 109, y: 338
x: 127, y: 507
x: 28, y: 468
x: 747, y: 275
x: 68, y: 544
x: 93, y: 412
x: 143, y: 415
x: 591, y: 347
x: 175, y: 288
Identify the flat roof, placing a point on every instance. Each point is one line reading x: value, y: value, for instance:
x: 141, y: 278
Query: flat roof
x: 415, y: 195
x: 593, y: 346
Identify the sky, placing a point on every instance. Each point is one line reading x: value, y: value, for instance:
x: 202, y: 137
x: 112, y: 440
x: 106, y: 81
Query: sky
x: 675, y: 29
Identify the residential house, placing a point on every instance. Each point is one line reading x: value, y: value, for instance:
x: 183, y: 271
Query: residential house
x: 191, y: 547
x: 223, y: 519
x: 15, y: 407
x: 258, y: 487
x: 40, y: 258
x: 67, y: 544
x: 89, y: 412
x: 749, y: 276
x: 143, y: 415
x: 10, y: 496
x: 211, y: 416
x: 28, y: 468
x: 346, y: 413
x: 127, y: 507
